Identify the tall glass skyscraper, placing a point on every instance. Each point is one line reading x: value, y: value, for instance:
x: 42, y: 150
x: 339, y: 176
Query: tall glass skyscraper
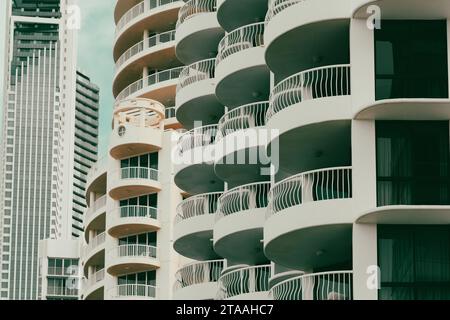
x: 37, y: 153
x: 86, y: 145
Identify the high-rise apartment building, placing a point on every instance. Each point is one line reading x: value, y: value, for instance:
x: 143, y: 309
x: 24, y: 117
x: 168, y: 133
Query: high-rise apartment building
x: 86, y: 145
x: 131, y: 194
x: 345, y: 103
x: 38, y: 138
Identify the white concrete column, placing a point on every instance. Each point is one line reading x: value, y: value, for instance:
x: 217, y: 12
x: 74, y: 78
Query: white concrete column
x: 145, y: 36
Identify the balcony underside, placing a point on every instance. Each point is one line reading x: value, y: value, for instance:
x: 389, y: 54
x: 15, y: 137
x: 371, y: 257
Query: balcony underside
x: 233, y: 14
x: 97, y: 258
x: 98, y: 223
x: 407, y: 214
x: 122, y: 227
x: 137, y: 187
x: 198, y: 178
x: 97, y: 294
x: 132, y: 265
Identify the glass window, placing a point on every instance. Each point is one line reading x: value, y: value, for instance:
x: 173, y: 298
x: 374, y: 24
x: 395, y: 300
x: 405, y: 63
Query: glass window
x: 412, y: 163
x: 414, y: 262
x: 411, y: 59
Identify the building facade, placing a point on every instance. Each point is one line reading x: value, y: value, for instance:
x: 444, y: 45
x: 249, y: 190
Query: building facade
x: 320, y: 170
x: 38, y: 139
x: 86, y: 145
x: 131, y: 194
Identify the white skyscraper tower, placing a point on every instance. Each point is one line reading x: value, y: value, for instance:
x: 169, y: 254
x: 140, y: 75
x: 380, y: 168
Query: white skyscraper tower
x: 38, y: 138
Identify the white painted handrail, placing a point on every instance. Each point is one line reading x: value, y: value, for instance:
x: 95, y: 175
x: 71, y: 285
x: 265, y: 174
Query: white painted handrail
x: 242, y: 198
x: 198, y: 273
x: 194, y: 7
x: 199, y: 205
x: 244, y: 281
x: 95, y: 242
x: 197, y: 137
x: 317, y: 185
x: 243, y: 38
x: 99, y: 203
x: 96, y: 277
x: 137, y: 212
x: 145, y: 44
x: 134, y: 290
x: 134, y: 250
x: 276, y: 6
x: 61, y: 291
x: 139, y: 173
x: 152, y: 79
x: 248, y: 116
x: 329, y: 81
x: 336, y: 285
x: 196, y: 72
x: 138, y: 10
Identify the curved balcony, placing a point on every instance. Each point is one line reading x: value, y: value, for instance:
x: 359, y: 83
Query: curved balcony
x: 137, y: 129
x: 133, y: 292
x: 310, y: 213
x: 289, y: 26
x: 196, y: 99
x: 94, y: 286
x: 406, y: 215
x: 417, y: 10
x: 240, y: 219
x: 194, y: 163
x: 159, y: 86
x: 95, y: 216
x: 233, y: 14
x: 133, y: 220
x: 241, y: 71
x: 193, y: 227
x: 198, y: 31
x: 171, y: 122
x: 336, y: 285
x: 250, y: 283
x: 96, y: 178
x: 241, y: 143
x: 133, y: 182
x: 198, y: 280
x: 154, y: 52
x: 94, y: 252
x: 312, y: 112
x: 132, y: 258
x: 131, y: 23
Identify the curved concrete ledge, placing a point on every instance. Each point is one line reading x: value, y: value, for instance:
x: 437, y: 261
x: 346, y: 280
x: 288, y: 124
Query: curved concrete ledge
x: 243, y: 230
x: 193, y: 237
x: 403, y: 9
x: 304, y: 30
x: 131, y: 264
x: 197, y: 37
x: 262, y: 295
x: 201, y: 291
x: 243, y: 77
x: 135, y: 141
x: 129, y: 188
x: 233, y: 14
x: 405, y: 109
x: 407, y: 214
x: 118, y: 227
x: 320, y: 233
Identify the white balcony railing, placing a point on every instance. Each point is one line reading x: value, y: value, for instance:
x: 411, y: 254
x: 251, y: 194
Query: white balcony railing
x: 161, y: 76
x: 243, y: 38
x: 199, y: 205
x: 61, y: 291
x: 194, y: 7
x: 61, y: 271
x: 244, y: 281
x: 242, y: 198
x: 134, y: 250
x: 248, y: 116
x: 139, y: 173
x: 138, y: 10
x: 329, y: 81
x: 196, y: 72
x: 137, y: 212
x: 276, y: 6
x: 96, y: 277
x: 318, y: 286
x: 145, y: 44
x: 134, y: 290
x: 198, y: 273
x: 99, y: 203
x: 317, y: 185
x: 94, y: 243
x: 197, y: 137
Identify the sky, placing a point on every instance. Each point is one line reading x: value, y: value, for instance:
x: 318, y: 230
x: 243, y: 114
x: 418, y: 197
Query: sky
x: 95, y: 41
